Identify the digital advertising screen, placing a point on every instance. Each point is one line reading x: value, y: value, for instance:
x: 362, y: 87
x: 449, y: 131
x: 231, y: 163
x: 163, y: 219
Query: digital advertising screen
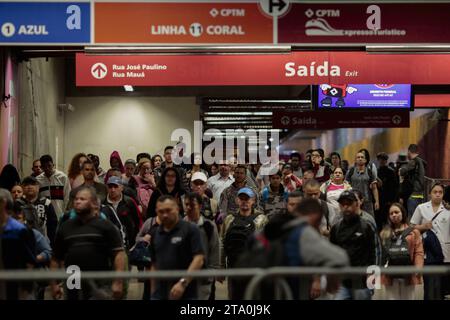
x: 364, y: 96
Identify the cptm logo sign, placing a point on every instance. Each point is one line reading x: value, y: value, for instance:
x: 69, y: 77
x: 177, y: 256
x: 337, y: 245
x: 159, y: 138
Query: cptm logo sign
x: 318, y: 26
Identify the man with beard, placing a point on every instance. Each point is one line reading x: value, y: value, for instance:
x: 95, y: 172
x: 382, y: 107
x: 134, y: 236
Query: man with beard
x: 92, y: 244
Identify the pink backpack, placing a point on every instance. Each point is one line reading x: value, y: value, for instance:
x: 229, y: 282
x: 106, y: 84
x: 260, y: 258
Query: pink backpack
x: 144, y: 192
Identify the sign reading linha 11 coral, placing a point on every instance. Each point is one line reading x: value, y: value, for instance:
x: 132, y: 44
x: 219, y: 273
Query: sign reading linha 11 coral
x: 178, y: 22
x: 296, y: 68
x: 365, y: 23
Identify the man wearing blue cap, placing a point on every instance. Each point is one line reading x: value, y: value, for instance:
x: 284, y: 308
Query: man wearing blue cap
x: 238, y: 228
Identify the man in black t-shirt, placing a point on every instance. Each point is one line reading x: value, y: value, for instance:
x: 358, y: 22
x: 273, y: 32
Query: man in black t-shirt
x: 175, y: 245
x: 92, y: 244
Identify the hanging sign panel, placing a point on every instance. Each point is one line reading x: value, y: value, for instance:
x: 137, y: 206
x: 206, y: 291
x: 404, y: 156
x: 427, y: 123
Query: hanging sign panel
x: 363, y: 23
x: 45, y: 23
x: 187, y: 23
x: 296, y: 68
x: 335, y: 119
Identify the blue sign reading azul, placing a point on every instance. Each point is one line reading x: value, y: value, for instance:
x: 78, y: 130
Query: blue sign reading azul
x: 45, y: 22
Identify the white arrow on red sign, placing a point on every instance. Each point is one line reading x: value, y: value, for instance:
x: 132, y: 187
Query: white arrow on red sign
x: 99, y: 70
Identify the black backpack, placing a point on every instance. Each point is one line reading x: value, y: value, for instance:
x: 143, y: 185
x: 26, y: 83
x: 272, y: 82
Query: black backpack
x: 266, y: 251
x: 397, y: 250
x: 432, y: 246
x: 237, y: 236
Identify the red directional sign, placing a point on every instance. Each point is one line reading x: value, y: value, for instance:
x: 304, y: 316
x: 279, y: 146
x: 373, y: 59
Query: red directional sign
x: 324, y: 120
x: 296, y: 68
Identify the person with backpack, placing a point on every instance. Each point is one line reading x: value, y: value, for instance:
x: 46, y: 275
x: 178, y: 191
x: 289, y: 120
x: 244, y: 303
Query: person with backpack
x: 414, y: 178
x: 18, y: 248
x: 227, y: 203
x: 362, y: 177
x: 144, y: 183
x: 333, y: 188
x: 238, y: 228
x: 403, y: 247
x: 357, y: 238
x: 26, y: 214
x: 47, y: 219
x: 210, y: 240
x: 311, y: 190
x: 432, y: 219
x: 122, y: 211
x: 209, y: 207
x: 140, y: 254
x: 293, y: 240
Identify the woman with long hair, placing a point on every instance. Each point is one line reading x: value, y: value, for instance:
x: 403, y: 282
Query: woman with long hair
x: 157, y: 160
x: 396, y: 232
x: 336, y: 161
x: 321, y: 171
x: 169, y: 184
x: 74, y: 173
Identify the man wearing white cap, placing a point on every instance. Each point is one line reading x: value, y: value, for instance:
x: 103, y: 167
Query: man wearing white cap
x: 198, y: 185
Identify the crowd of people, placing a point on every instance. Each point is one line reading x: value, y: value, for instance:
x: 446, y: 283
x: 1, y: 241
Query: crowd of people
x: 154, y: 214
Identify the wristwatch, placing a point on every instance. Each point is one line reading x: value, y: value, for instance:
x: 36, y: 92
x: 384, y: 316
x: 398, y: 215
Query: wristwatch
x: 183, y: 282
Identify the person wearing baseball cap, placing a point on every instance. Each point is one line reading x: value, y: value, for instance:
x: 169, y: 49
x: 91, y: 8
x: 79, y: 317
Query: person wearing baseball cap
x: 357, y: 238
x: 209, y: 206
x: 227, y: 203
x: 347, y: 197
x: 48, y: 221
x: 122, y: 210
x: 247, y: 220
